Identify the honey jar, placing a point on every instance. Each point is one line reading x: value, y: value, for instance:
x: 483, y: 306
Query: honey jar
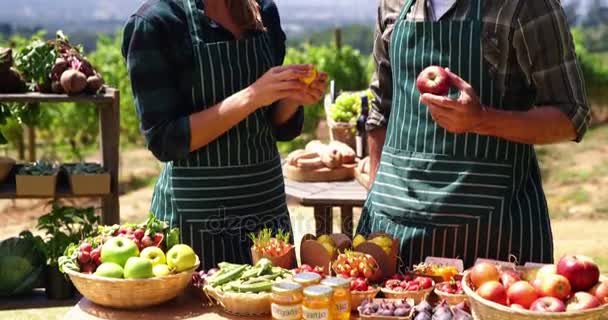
x: 286, y: 301
x: 306, y: 279
x: 318, y: 303
x: 341, y: 297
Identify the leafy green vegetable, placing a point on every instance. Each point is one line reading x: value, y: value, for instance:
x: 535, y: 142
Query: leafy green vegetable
x: 85, y: 168
x: 39, y: 168
x: 21, y: 265
x: 35, y: 62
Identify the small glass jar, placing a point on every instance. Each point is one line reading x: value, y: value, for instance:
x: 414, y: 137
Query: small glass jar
x: 286, y: 301
x: 307, y: 279
x: 341, y: 297
x: 318, y: 304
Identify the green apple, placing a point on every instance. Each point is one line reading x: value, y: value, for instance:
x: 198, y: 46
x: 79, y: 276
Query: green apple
x: 118, y: 250
x: 161, y: 270
x: 181, y: 257
x: 109, y: 270
x: 154, y: 254
x: 138, y: 268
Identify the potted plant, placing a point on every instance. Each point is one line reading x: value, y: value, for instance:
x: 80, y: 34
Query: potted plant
x: 62, y: 226
x: 88, y: 178
x: 37, y: 179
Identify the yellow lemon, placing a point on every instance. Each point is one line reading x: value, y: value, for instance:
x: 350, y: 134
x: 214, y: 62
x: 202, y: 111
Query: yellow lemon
x: 312, y: 75
x: 359, y: 239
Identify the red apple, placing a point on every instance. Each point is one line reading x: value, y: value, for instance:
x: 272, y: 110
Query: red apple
x: 434, y: 80
x: 582, y: 301
x: 537, y: 284
x: 555, y: 286
x: 548, y: 304
x: 508, y: 278
x: 522, y: 293
x: 546, y: 271
x: 493, y: 291
x: 582, y: 273
x: 484, y: 272
x: 600, y: 291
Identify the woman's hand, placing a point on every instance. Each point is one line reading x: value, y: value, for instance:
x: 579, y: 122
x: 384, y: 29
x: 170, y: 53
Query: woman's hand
x: 278, y: 83
x: 312, y: 94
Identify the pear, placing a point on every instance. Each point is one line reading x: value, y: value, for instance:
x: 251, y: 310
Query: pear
x: 329, y: 247
x: 325, y: 239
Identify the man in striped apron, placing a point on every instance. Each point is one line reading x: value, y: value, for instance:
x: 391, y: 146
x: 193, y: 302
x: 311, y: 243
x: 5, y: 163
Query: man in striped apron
x: 233, y: 185
x: 457, y: 176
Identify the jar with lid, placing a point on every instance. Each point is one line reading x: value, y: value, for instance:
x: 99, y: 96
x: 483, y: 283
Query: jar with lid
x: 341, y: 297
x: 306, y: 279
x: 318, y: 303
x: 286, y: 301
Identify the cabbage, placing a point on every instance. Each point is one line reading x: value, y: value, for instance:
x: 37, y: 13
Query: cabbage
x: 21, y: 265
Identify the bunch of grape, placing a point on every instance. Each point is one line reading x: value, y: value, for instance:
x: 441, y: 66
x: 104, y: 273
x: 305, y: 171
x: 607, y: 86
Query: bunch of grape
x: 347, y: 107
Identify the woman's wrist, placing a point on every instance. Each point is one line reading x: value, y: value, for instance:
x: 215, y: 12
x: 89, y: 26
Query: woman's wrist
x: 247, y: 97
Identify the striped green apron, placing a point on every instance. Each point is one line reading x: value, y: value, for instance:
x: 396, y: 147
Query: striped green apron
x: 453, y: 195
x: 234, y: 185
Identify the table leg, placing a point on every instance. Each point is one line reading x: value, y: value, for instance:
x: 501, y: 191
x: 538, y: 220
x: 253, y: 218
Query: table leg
x: 346, y: 215
x: 323, y: 220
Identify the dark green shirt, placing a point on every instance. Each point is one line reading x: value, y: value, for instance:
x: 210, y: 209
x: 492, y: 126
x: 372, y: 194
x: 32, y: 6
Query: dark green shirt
x: 159, y: 55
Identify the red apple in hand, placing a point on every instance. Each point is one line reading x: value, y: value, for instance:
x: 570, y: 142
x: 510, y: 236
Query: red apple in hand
x: 522, y: 293
x: 508, y: 278
x: 555, y: 286
x: 434, y: 80
x: 548, y: 304
x: 600, y: 291
x: 582, y: 273
x: 493, y: 291
x: 582, y: 301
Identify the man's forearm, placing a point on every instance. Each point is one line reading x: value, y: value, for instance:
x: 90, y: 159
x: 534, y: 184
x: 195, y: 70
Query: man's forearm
x: 375, y: 140
x: 541, y: 125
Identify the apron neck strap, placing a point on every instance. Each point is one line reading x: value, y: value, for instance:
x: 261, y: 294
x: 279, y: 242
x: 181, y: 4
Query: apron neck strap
x: 195, y: 17
x: 474, y: 11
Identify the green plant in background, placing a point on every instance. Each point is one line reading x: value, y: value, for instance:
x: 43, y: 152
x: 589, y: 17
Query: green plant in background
x: 39, y: 168
x: 64, y: 225
x: 594, y: 71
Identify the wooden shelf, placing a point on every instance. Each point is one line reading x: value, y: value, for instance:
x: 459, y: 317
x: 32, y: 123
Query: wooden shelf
x: 106, y: 97
x: 108, y: 105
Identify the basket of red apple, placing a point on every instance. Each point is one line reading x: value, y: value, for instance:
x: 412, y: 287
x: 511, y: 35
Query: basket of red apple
x: 571, y: 289
x: 451, y: 292
x: 407, y: 287
x: 130, y: 266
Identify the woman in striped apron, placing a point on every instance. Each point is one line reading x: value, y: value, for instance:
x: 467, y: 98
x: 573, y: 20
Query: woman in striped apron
x: 229, y: 181
x: 462, y: 195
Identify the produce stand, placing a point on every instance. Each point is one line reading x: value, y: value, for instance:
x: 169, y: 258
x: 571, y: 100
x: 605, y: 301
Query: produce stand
x: 108, y: 104
x: 323, y: 197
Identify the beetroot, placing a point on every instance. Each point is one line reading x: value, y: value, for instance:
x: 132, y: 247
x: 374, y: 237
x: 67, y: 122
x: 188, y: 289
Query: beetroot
x: 94, y: 83
x: 73, y: 81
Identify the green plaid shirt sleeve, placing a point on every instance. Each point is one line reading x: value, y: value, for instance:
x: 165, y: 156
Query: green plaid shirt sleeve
x: 167, y: 132
x: 527, y: 45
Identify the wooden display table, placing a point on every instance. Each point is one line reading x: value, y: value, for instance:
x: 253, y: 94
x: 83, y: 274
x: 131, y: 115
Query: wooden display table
x: 323, y: 196
x: 185, y: 307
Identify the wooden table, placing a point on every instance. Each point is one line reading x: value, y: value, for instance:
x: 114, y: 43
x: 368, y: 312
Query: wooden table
x: 324, y: 196
x: 185, y: 307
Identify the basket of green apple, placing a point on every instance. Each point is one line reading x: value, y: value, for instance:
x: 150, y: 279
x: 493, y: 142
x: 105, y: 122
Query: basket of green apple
x: 130, y: 266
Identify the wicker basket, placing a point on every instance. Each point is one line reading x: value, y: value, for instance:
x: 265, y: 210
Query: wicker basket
x: 357, y: 297
x: 487, y: 310
x: 130, y: 293
x: 417, y: 296
x: 240, y: 304
x: 451, y: 299
x: 6, y: 165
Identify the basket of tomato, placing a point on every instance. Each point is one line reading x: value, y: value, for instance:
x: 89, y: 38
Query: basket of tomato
x: 451, y: 291
x: 408, y: 287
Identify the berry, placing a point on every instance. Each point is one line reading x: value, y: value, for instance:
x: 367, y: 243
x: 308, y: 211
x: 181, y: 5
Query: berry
x: 84, y: 257
x: 139, y: 233
x: 86, y: 247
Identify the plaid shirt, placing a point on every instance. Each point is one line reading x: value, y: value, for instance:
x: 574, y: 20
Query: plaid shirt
x: 158, y: 51
x: 527, y: 47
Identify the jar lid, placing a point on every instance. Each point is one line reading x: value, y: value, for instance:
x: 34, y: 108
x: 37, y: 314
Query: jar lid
x: 336, y: 282
x: 286, y: 287
x: 307, y: 277
x: 318, y: 291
